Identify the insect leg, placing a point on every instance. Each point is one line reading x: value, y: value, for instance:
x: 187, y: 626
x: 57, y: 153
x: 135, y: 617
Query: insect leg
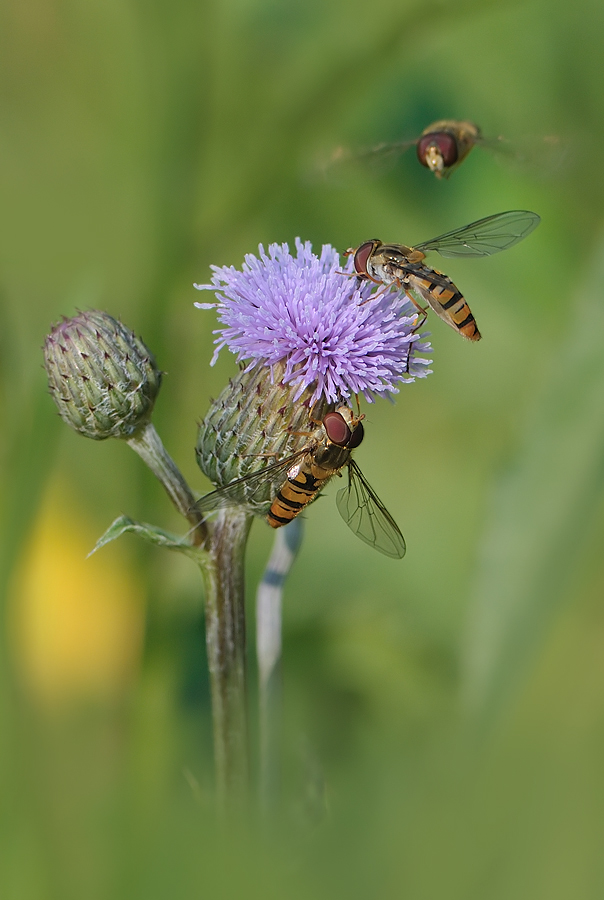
x: 419, y: 324
x: 385, y: 289
x: 417, y: 305
x: 420, y: 320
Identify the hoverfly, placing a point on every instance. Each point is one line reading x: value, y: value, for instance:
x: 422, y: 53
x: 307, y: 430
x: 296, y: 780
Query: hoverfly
x: 443, y: 146
x: 402, y: 266
x: 288, y: 486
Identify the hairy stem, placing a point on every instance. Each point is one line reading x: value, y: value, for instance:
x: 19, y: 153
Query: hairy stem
x: 148, y: 444
x: 221, y: 559
x: 225, y: 638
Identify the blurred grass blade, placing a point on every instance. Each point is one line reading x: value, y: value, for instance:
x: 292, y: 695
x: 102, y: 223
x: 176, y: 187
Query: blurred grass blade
x: 542, y: 510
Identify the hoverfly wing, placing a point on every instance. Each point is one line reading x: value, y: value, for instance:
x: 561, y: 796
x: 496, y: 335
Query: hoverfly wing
x: 541, y: 156
x: 249, y: 489
x: 382, y: 156
x: 486, y: 236
x: 366, y: 515
x: 343, y: 162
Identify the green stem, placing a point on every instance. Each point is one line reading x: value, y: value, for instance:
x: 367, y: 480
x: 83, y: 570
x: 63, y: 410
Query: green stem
x: 148, y: 444
x: 220, y: 555
x: 225, y: 639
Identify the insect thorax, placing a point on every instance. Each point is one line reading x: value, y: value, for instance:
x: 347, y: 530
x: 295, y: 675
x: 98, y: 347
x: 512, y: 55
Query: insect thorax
x: 328, y: 458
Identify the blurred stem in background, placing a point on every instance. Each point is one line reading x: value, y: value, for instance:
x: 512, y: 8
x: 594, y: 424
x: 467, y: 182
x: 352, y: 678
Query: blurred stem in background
x: 269, y: 602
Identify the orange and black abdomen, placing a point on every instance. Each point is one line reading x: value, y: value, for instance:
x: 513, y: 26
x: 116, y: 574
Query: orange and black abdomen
x: 446, y: 300
x: 294, y: 495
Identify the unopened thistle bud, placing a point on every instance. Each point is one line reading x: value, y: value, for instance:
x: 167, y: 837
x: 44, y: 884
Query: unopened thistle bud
x: 102, y: 378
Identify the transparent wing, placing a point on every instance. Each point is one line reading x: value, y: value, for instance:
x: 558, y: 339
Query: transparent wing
x: 342, y: 162
x: 486, y: 236
x: 542, y: 156
x: 366, y: 515
x: 253, y: 489
x: 382, y: 155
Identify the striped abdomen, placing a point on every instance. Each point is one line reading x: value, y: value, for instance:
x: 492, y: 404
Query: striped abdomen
x: 295, y: 493
x: 445, y: 299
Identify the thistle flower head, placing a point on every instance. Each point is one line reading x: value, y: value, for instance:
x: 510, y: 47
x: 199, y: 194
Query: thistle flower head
x: 307, y: 316
x: 102, y: 378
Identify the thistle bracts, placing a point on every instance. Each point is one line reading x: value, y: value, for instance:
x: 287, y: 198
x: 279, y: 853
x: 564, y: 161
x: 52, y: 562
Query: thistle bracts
x: 102, y: 378
x: 254, y: 422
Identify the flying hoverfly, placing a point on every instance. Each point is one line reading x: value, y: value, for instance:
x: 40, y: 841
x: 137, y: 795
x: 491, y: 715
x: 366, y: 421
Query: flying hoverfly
x: 288, y: 486
x: 402, y: 266
x: 443, y: 146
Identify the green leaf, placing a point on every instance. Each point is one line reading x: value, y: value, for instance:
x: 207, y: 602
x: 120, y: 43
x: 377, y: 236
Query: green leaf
x: 150, y: 533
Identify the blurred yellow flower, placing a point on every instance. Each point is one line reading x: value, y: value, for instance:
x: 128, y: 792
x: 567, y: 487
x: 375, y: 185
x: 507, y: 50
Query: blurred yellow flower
x: 76, y: 623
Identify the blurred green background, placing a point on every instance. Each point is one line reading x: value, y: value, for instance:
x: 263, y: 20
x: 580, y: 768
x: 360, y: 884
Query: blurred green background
x: 444, y: 716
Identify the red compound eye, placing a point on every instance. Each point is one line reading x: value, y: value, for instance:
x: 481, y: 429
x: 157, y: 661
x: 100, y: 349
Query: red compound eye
x: 336, y: 428
x: 357, y: 436
x: 446, y: 143
x: 361, y: 256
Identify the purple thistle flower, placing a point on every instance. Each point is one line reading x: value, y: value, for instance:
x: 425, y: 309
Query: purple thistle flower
x: 303, y: 312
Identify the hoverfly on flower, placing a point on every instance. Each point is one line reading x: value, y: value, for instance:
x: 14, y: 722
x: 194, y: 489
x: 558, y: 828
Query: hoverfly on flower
x: 403, y: 267
x: 287, y: 487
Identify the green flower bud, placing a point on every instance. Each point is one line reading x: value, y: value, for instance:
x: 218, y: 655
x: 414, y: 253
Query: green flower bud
x: 101, y: 376
x: 254, y: 422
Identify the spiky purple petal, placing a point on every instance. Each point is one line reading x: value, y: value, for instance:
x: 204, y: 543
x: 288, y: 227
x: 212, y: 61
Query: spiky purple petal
x: 304, y: 312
